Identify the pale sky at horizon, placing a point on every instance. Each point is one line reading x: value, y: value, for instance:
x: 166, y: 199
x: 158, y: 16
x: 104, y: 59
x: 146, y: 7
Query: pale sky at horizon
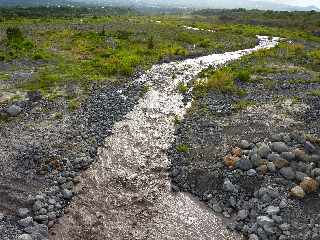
x: 297, y: 2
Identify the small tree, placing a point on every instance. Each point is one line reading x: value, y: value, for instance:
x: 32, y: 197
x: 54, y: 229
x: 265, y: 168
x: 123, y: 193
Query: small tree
x: 14, y: 34
x: 151, y: 42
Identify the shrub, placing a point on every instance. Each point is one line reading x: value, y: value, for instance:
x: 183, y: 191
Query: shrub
x: 221, y: 80
x: 183, y: 88
x: 315, y: 92
x: 151, y: 42
x: 14, y: 34
x: 73, y: 104
x: 244, y: 76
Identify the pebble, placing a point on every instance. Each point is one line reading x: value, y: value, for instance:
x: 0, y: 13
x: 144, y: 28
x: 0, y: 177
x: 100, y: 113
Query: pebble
x: 243, y: 214
x: 228, y: 186
x: 264, y: 150
x: 315, y: 172
x: 251, y: 172
x: 244, y: 144
x: 288, y: 156
x: 244, y: 164
x: 26, y: 222
x: 279, y: 147
x: 14, y: 110
x: 284, y: 227
x: 280, y: 163
x: 25, y: 237
x: 297, y: 192
x: 309, y: 147
x: 23, y: 212
x: 264, y: 221
x: 253, y: 237
x: 67, y: 194
x: 288, y: 173
x: 272, y: 210
x: 309, y: 185
x: 300, y: 176
x: 271, y: 167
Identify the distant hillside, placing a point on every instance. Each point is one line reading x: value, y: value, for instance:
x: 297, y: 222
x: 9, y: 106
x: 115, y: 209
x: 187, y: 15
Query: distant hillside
x: 201, y: 4
x: 227, y: 4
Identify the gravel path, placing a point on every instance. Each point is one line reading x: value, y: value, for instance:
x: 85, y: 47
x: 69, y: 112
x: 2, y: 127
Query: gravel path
x: 126, y: 194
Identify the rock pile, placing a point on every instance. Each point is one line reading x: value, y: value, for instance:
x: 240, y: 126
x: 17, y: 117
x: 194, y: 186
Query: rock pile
x: 291, y: 165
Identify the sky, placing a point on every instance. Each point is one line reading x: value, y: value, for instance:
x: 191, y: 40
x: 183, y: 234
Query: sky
x: 297, y: 2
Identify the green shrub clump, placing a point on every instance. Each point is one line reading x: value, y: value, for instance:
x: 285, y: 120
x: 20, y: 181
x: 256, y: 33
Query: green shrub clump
x: 244, y: 76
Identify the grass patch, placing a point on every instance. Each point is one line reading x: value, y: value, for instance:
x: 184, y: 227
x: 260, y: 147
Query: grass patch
x: 183, y: 88
x: 221, y: 80
x: 315, y: 92
x: 244, y: 76
x: 243, y: 104
x: 74, y: 104
x: 183, y: 148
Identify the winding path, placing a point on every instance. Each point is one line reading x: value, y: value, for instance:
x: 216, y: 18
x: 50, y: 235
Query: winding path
x: 126, y: 193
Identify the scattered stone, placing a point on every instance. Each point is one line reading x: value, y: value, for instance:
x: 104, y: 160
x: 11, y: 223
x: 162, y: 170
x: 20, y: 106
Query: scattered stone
x: 230, y: 161
x: 216, y: 208
x: 236, y: 152
x: 23, y: 212
x: 280, y: 163
x: 300, y: 155
x: 264, y: 150
x: 253, y: 237
x: 228, y: 186
x: 244, y: 164
x: 67, y: 194
x: 243, y: 214
x: 264, y: 221
x: 309, y: 147
x: 298, y: 192
x: 34, y: 96
x: 315, y: 158
x: 272, y: 210
x: 288, y: 156
x: 288, y: 173
x: 273, y: 156
x: 284, y: 227
x: 262, y: 170
x: 315, y: 172
x: 271, y: 167
x: 37, y: 206
x: 309, y: 185
x: 252, y: 172
x: 25, y: 237
x: 14, y: 110
x: 279, y: 147
x: 300, y: 176
x: 244, y: 144
x: 26, y: 222
x: 41, y: 219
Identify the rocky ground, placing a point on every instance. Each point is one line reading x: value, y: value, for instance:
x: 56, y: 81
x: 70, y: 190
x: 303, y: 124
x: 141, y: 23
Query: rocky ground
x: 249, y: 166
x: 44, y: 147
x: 269, y: 185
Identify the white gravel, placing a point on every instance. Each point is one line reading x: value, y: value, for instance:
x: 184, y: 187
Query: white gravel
x: 126, y: 193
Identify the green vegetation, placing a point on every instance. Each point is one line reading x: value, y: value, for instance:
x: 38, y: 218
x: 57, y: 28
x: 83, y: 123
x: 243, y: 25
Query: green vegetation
x: 183, y: 148
x: 183, y: 88
x: 315, y: 92
x: 85, y: 45
x: 177, y: 120
x: 73, y: 104
x: 243, y: 104
x: 221, y: 80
